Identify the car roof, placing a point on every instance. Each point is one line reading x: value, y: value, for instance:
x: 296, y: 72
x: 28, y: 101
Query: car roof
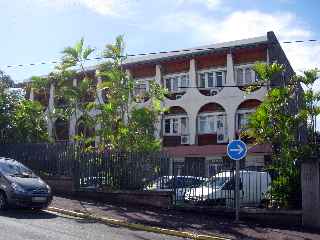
x: 232, y: 173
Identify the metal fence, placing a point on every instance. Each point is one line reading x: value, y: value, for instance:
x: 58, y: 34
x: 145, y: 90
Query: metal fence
x: 91, y: 170
x: 193, y: 181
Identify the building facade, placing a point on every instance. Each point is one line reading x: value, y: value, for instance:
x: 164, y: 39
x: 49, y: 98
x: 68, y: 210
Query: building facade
x: 207, y: 105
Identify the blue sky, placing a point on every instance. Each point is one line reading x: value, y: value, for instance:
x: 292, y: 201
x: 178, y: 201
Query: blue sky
x: 37, y: 30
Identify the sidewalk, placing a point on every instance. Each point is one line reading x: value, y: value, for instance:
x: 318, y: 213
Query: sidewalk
x: 183, y: 221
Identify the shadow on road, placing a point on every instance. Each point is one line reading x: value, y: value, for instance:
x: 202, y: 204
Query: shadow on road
x: 27, y: 214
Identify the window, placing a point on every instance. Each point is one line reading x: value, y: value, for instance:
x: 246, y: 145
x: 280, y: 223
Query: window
x: 243, y: 119
x: 167, y: 126
x: 177, y: 83
x: 212, y: 79
x: 184, y: 81
x: 176, y: 126
x: 202, y: 80
x: 211, y: 123
x: 248, y: 76
x: 245, y: 75
x: 168, y: 84
x: 202, y: 124
x: 219, y: 79
x: 240, y: 77
x: 184, y: 126
x: 140, y: 89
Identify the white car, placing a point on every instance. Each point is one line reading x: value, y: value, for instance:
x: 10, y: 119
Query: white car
x: 179, y: 184
x: 219, y: 189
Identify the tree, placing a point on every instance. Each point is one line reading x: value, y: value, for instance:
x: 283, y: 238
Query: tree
x: 280, y: 121
x: 123, y: 125
x: 20, y: 120
x: 5, y: 80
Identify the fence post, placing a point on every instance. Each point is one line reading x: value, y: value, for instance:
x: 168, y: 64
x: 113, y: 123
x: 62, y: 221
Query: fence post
x: 76, y: 169
x: 310, y: 187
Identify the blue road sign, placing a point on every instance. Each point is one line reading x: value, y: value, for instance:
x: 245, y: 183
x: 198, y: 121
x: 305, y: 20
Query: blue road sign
x: 236, y: 150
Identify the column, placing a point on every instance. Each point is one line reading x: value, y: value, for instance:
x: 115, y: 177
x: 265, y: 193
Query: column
x: 50, y: 110
x: 31, y: 97
x: 72, y: 127
x: 193, y: 73
x: 192, y: 116
x: 158, y: 74
x: 231, y: 118
x: 230, y: 71
x: 99, y: 92
x: 158, y: 125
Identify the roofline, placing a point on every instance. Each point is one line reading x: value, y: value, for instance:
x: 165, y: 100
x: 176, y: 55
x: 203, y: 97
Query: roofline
x: 162, y: 56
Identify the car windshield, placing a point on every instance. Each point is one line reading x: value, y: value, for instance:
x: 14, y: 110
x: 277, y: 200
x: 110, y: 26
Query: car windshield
x: 216, y: 182
x: 15, y: 169
x: 184, y: 182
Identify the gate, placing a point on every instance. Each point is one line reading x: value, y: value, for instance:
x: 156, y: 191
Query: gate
x: 212, y: 184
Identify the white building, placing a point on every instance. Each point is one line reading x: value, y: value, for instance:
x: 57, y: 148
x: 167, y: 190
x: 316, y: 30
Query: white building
x: 207, y: 102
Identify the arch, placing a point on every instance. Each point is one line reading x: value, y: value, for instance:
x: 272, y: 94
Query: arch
x: 61, y: 129
x: 211, y: 124
x: 177, y: 110
x: 211, y: 107
x: 249, y: 104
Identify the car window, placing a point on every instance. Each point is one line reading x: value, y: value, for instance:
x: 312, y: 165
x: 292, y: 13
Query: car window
x: 14, y: 168
x: 184, y: 182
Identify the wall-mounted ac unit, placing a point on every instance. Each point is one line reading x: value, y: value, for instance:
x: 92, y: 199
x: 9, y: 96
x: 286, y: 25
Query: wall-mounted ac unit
x: 178, y: 96
x: 185, y: 139
x: 213, y: 92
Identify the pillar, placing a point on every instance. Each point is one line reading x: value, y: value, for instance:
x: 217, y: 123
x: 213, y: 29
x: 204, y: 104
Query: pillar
x: 230, y: 71
x: 31, y: 97
x: 310, y: 187
x: 50, y: 111
x: 193, y: 73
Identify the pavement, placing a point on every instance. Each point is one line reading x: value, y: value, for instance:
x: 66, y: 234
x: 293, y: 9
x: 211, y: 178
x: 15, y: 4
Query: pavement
x: 27, y: 225
x: 200, y: 224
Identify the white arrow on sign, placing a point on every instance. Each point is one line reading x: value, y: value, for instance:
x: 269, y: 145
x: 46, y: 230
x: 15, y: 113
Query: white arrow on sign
x: 239, y: 149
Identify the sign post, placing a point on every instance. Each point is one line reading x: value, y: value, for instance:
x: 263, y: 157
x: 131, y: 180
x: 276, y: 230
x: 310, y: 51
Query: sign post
x: 237, y: 150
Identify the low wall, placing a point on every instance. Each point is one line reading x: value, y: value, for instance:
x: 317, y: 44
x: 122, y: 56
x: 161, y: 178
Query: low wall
x: 148, y: 198
x: 60, y: 185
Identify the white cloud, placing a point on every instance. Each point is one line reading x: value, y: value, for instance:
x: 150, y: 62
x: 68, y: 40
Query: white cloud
x: 246, y: 24
x: 210, y: 4
x: 102, y: 7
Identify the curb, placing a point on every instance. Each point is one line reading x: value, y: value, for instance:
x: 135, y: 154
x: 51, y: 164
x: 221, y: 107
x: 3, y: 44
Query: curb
x: 135, y: 226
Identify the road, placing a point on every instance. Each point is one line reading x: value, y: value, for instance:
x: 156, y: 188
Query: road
x: 25, y: 225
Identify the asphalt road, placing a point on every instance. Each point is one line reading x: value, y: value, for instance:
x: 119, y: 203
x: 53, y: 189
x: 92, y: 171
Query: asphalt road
x: 25, y: 225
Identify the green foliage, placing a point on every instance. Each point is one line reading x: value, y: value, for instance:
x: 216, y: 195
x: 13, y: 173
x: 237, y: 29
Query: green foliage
x: 29, y: 125
x: 278, y: 121
x: 122, y: 125
x: 21, y: 121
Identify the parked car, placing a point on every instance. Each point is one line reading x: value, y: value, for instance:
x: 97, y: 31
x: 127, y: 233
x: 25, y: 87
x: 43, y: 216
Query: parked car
x: 219, y: 189
x: 179, y: 184
x: 20, y: 187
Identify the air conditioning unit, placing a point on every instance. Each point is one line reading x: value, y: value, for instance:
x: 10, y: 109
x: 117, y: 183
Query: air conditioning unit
x: 185, y: 139
x: 213, y: 92
x: 178, y: 96
x: 220, y: 138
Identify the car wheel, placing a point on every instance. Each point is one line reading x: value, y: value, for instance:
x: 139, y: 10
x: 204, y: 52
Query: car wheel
x: 3, y: 201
